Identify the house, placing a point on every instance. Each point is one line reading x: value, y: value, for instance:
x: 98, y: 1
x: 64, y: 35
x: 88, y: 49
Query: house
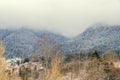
x: 14, y: 61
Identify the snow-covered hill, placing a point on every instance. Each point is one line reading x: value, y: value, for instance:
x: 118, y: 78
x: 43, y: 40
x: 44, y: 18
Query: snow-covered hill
x: 96, y: 37
x: 26, y: 41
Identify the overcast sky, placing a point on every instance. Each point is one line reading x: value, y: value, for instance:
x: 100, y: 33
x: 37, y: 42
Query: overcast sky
x: 68, y: 17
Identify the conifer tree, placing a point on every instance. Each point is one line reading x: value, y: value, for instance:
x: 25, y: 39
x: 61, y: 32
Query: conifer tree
x: 95, y: 55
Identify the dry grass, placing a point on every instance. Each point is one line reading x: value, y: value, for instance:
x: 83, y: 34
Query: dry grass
x: 3, y: 65
x: 55, y: 72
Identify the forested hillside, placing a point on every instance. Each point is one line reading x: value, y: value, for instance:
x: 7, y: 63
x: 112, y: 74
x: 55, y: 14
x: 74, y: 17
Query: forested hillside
x: 26, y: 41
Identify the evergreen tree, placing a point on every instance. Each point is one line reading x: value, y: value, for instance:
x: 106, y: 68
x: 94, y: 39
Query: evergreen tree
x: 95, y: 55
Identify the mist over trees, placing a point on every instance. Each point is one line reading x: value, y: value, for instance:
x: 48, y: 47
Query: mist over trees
x: 63, y: 58
x: 26, y: 41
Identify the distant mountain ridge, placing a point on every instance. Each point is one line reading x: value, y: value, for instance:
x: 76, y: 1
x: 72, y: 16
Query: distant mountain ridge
x: 97, y: 37
x: 25, y: 40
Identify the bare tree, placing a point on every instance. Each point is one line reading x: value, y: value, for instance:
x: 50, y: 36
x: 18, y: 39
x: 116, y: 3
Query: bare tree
x: 47, y: 50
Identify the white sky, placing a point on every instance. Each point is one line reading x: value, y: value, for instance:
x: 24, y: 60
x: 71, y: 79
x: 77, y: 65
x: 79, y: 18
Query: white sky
x: 68, y: 17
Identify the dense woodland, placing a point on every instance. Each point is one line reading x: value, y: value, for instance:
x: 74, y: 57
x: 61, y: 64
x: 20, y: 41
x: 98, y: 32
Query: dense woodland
x: 92, y: 55
x: 52, y: 65
x: 26, y: 41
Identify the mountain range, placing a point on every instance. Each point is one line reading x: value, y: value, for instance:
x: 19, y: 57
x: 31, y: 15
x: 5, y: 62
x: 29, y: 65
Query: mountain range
x: 97, y: 37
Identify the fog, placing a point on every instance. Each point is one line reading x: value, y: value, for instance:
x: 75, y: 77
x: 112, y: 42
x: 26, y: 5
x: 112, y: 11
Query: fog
x: 68, y: 17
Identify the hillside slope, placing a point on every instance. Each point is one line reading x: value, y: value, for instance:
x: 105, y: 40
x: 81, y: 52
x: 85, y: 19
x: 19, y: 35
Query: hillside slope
x: 96, y: 37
